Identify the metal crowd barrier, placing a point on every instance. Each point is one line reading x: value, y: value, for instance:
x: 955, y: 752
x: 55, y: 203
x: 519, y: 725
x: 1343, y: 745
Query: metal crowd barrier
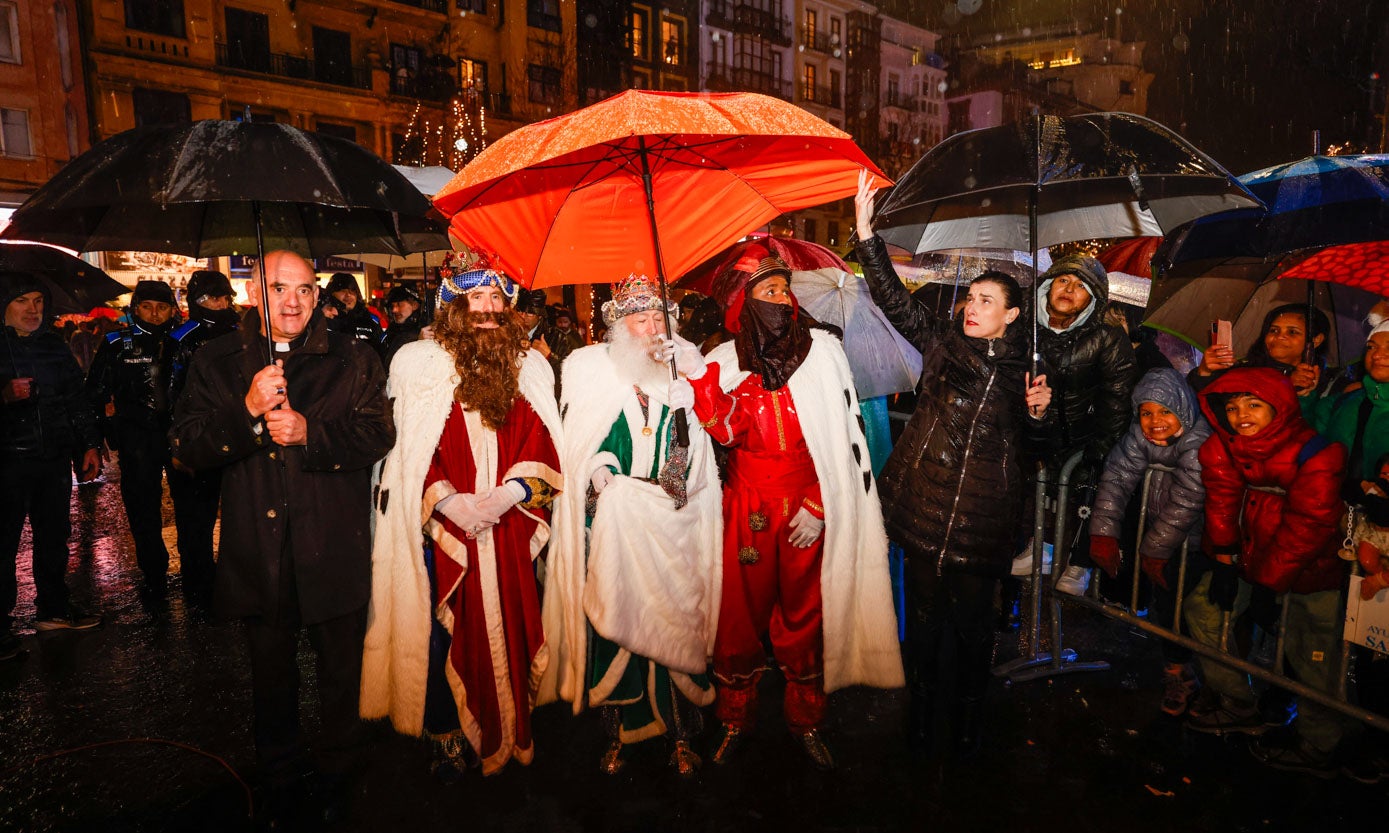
x: 1039, y: 664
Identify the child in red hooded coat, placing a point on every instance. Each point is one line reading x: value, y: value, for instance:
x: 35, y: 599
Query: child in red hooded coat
x: 1272, y: 515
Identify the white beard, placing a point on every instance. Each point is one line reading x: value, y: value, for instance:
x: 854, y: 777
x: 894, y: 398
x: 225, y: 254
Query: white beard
x: 632, y: 358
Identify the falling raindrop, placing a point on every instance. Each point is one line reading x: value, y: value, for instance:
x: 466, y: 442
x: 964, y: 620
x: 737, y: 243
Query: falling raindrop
x: 1181, y: 42
x: 591, y: 20
x: 970, y: 182
x: 986, y: 202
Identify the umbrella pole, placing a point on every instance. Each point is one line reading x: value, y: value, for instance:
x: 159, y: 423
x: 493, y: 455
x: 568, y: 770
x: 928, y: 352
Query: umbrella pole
x: 264, y: 284
x: 682, y: 436
x: 955, y: 294
x: 1309, y: 350
x: 1033, y: 207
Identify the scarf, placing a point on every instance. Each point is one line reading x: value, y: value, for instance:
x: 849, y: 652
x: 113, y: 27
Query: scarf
x: 772, y: 341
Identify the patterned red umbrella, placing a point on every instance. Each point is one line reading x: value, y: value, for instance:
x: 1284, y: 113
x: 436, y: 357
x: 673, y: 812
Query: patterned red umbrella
x: 800, y: 255
x: 1131, y: 257
x: 1362, y: 265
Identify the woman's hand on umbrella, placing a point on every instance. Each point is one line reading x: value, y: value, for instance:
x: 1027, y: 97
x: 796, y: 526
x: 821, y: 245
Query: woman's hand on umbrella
x: 1038, y: 395
x: 863, y: 205
x: 1216, y: 358
x: 1305, y: 378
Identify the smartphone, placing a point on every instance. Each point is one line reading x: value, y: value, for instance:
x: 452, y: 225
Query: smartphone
x: 1221, y: 333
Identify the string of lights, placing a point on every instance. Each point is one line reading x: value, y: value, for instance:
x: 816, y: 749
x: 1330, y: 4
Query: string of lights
x: 450, y: 143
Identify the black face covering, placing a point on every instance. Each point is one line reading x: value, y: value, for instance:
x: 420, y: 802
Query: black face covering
x: 771, y: 341
x: 218, y: 319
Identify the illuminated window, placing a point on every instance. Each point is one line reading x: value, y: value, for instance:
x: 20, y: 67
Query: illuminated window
x: 808, y: 82
x: 473, y: 74
x: 673, y: 41
x: 639, y: 32
x: 810, y: 20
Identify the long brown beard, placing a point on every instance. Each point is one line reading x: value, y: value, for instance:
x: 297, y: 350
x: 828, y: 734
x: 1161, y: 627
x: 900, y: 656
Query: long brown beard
x: 488, y: 360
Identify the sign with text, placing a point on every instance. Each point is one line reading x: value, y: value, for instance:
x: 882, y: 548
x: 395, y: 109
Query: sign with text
x: 1367, y: 620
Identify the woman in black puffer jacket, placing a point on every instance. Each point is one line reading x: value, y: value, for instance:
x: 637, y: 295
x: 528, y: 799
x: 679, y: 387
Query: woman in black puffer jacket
x: 953, y: 488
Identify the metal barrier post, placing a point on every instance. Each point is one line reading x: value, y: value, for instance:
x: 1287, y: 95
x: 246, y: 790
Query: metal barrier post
x: 1035, y: 654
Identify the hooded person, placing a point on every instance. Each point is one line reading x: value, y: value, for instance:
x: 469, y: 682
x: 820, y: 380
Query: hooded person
x: 1092, y: 369
x: 632, y: 587
x: 1166, y: 437
x: 407, y: 322
x: 48, y: 432
x: 196, y: 494
x: 455, y: 648
x: 350, y: 315
x: 804, y: 551
x: 127, y: 380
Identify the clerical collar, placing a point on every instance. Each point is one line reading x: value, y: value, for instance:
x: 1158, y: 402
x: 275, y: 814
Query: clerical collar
x: 293, y: 344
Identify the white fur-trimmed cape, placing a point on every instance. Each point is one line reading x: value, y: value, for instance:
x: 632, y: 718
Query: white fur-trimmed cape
x: 860, y: 627
x: 395, y: 660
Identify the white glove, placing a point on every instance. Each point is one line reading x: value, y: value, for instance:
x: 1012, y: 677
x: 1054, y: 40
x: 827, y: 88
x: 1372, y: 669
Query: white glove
x: 805, y: 529
x: 600, y: 479
x: 502, y: 498
x: 687, y: 357
x: 467, y: 513
x: 681, y: 395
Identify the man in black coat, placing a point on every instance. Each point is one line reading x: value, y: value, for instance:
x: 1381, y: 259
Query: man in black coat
x: 1091, y: 368
x: 296, y: 439
x: 127, y: 385
x: 407, y: 322
x: 46, y: 424
x: 196, y: 494
x: 348, y: 313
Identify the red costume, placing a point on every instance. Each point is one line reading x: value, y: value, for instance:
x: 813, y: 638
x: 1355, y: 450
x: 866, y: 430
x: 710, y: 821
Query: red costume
x: 485, y: 592
x: 769, y: 586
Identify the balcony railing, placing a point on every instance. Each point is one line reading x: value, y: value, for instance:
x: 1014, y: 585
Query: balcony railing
x: 749, y: 19
x: 440, y: 6
x: 723, y: 77
x: 294, y: 66
x: 824, y: 95
x: 500, y: 103
x: 819, y: 41
x: 898, y: 98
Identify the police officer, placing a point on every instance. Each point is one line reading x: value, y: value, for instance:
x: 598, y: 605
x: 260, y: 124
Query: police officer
x: 407, y: 321
x: 195, y: 494
x: 347, y: 313
x: 127, y: 387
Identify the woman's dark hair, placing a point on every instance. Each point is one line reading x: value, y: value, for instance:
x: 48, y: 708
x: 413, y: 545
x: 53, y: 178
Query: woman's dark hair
x: 1012, y: 293
x: 1320, y: 326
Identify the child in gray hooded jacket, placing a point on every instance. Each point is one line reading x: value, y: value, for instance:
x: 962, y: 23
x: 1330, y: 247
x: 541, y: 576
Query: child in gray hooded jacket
x: 1166, y: 433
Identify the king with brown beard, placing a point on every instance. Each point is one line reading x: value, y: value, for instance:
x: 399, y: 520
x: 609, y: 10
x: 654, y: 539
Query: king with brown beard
x: 455, y: 648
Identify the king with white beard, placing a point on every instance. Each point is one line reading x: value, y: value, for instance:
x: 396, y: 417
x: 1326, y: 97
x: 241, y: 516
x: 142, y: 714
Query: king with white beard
x: 632, y: 591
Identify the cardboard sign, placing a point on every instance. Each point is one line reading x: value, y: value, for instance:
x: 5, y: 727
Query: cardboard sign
x: 1367, y: 621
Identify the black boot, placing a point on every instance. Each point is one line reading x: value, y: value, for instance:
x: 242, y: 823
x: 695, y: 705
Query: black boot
x: 968, y: 727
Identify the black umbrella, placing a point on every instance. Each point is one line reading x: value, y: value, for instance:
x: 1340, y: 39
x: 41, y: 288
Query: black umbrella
x: 1051, y: 180
x: 222, y: 188
x: 74, y: 285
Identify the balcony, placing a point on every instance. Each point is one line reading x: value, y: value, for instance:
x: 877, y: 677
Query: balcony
x: 823, y: 95
x: 294, y: 66
x: 820, y: 42
x: 899, y: 99
x: 723, y: 78
x: 440, y: 6
x: 500, y: 103
x: 748, y: 19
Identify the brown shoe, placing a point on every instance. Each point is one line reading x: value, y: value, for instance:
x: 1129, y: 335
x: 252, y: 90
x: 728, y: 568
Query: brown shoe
x: 611, y: 762
x: 815, y: 748
x: 684, y: 759
x: 730, y: 741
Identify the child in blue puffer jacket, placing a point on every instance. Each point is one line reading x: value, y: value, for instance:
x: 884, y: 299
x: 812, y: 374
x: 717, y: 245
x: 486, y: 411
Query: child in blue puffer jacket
x: 1166, y: 434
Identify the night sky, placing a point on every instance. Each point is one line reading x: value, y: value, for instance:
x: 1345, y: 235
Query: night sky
x: 1246, y: 80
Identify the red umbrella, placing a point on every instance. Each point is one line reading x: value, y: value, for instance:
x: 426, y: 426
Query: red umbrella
x: 800, y: 256
x: 1131, y: 257
x: 1362, y: 265
x: 645, y: 182
x: 104, y: 312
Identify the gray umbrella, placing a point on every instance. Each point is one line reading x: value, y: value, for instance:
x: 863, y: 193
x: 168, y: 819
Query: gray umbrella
x: 882, y: 362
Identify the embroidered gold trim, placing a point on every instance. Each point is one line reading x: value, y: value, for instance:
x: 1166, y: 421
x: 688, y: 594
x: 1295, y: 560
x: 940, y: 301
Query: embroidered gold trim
x: 780, y: 428
x: 815, y: 506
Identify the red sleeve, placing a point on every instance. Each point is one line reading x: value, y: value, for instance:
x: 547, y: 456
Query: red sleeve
x: 1310, y: 516
x: 1224, y: 490
x: 814, y: 503
x: 718, y: 410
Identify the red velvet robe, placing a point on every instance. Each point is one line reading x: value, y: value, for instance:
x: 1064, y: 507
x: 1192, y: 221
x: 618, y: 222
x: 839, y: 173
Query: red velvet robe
x: 486, y: 595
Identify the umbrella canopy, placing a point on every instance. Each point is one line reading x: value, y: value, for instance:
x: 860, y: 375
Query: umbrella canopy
x: 1130, y: 257
x: 208, y: 188
x: 1311, y: 203
x: 882, y: 362
x: 800, y: 255
x: 1089, y: 176
x: 428, y: 179
x: 1362, y: 265
x: 74, y: 285
x: 645, y: 182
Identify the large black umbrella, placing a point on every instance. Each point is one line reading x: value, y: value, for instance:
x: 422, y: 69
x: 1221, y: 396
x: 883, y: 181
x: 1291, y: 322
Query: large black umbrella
x: 223, y: 187
x: 1052, y: 179
x: 74, y: 285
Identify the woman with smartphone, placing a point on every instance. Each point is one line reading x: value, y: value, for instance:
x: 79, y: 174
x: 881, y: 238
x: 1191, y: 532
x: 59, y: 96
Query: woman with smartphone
x: 1283, y: 345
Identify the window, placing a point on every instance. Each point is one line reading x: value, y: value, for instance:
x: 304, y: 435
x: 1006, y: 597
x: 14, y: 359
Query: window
x: 641, y: 79
x: 639, y: 32
x: 332, y: 56
x: 894, y: 90
x: 810, y: 26
x: 9, y: 33
x: 832, y: 233
x: 341, y: 131
x: 476, y: 6
x: 544, y: 84
x: 248, y: 40
x: 473, y: 74
x: 14, y: 133
x: 1125, y: 88
x: 162, y: 17
x: 60, y: 24
x: 405, y: 68
x: 810, y: 230
x: 673, y: 41
x: 245, y: 112
x: 160, y: 107
x: 808, y: 82
x: 836, y: 84
x: 836, y: 31
x: 543, y: 14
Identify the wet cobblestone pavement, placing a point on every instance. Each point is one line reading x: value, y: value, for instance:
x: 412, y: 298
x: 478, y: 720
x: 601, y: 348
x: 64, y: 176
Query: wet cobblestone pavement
x: 1080, y: 753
